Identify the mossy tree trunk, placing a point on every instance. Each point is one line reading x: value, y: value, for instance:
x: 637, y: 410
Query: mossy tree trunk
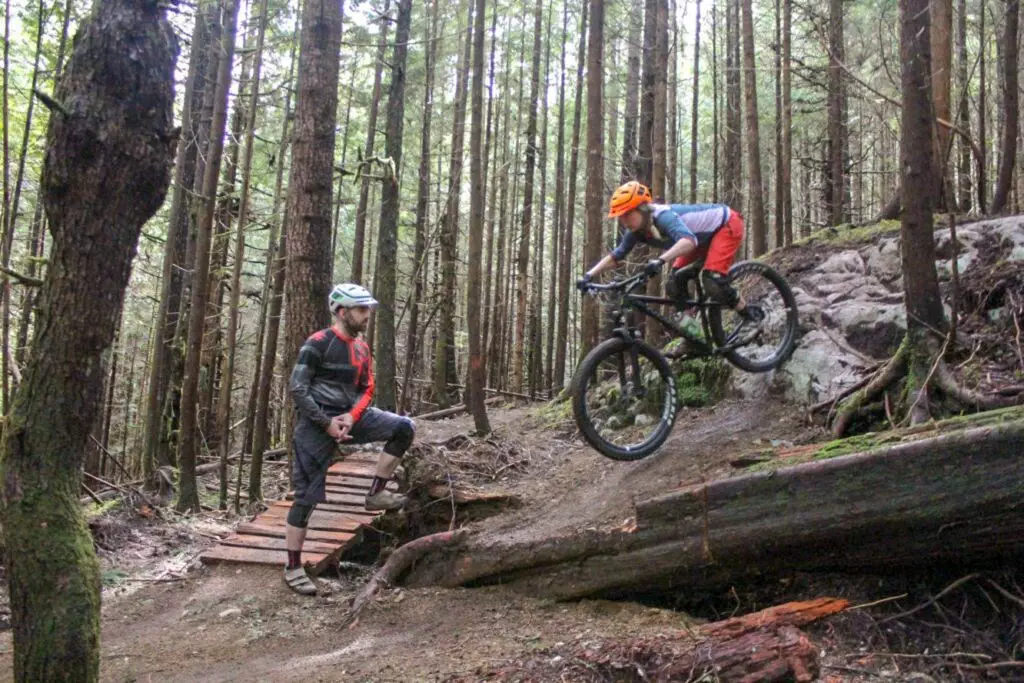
x: 108, y: 156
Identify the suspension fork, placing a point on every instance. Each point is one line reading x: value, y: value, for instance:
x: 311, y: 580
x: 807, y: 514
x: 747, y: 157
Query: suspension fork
x: 628, y: 334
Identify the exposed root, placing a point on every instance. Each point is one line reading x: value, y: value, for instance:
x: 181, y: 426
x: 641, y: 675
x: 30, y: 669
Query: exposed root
x: 951, y: 387
x: 891, y: 372
x: 396, y: 565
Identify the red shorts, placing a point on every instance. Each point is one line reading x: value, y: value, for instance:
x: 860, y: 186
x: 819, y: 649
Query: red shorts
x: 718, y: 254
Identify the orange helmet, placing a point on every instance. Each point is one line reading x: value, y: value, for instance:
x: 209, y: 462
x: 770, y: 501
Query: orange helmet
x: 627, y: 197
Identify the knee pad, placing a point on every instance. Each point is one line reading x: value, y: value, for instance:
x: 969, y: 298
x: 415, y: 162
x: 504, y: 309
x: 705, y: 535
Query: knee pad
x: 299, y: 514
x: 401, y: 439
x: 717, y: 286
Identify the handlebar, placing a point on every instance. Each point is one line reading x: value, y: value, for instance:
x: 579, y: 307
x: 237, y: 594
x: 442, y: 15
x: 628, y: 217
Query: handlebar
x: 620, y: 285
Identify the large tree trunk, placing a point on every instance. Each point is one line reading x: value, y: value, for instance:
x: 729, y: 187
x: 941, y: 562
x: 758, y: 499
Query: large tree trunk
x: 359, y: 241
x: 523, y: 256
x: 476, y: 377
x: 941, y: 12
x: 107, y: 170
x: 188, y: 497
x: 643, y: 166
x: 758, y: 230
x: 1011, y: 108
x: 385, y: 282
x: 307, y: 275
x: 879, y: 511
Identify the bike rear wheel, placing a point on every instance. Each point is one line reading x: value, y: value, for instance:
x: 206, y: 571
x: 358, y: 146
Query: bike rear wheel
x: 624, y: 399
x: 762, y: 345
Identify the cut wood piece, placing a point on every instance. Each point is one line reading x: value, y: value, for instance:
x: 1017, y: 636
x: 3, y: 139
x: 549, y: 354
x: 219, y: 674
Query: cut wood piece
x: 352, y: 469
x: 271, y: 543
x: 362, y: 483
x: 226, y: 553
x: 341, y: 506
x: 461, y: 496
x: 789, y: 614
x: 311, y: 534
x: 339, y: 496
x: 950, y: 499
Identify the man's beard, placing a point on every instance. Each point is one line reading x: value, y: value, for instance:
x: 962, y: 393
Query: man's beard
x: 353, y: 326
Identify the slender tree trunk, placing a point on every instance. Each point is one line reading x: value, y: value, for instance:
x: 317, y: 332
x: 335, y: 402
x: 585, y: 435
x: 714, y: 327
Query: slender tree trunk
x: 1011, y: 108
x: 780, y: 223
x: 836, y: 115
x: 714, y: 99
x: 227, y: 379
x: 982, y: 114
x: 672, y: 123
x: 385, y: 282
x: 758, y: 225
x: 565, y: 269
x: 643, y: 167
x: 476, y: 379
x: 371, y: 132
x: 786, y: 175
x: 422, y: 200
x: 556, y: 367
x: 631, y: 116
x: 733, y: 147
x: 96, y: 202
x: 539, y: 361
x: 522, y: 259
x: 595, y: 175
x: 444, y: 356
x: 188, y: 496
x: 963, y: 109
x: 659, y: 157
x: 941, y: 12
x: 694, y: 111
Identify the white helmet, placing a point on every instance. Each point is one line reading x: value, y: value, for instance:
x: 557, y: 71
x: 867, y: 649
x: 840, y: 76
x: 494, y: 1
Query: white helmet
x: 349, y: 295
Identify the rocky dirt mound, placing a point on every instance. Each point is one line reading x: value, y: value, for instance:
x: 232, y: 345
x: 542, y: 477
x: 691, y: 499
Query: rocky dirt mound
x: 848, y: 286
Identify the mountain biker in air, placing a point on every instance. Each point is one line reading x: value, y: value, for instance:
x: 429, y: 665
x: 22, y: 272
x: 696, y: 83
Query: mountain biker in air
x: 686, y: 232
x: 332, y: 387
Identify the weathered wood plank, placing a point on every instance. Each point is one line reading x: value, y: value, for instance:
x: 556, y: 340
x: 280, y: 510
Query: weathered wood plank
x: 278, y: 531
x: 271, y: 543
x: 226, y: 553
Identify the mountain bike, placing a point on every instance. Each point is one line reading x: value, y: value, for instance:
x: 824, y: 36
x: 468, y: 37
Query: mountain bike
x: 624, y: 391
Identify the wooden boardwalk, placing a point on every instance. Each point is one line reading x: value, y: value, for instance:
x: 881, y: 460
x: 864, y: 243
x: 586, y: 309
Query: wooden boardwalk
x: 334, y: 526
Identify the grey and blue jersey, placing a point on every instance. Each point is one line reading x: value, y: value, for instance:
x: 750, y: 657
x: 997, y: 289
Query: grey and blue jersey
x: 673, y: 222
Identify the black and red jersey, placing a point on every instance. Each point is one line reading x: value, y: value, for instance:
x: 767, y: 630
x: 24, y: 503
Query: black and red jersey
x: 333, y: 375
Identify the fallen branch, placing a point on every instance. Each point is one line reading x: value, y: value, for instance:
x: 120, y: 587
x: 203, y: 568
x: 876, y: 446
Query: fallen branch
x: 396, y: 565
x: 26, y: 280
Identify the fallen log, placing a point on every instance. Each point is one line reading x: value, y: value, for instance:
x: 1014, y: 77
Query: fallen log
x: 953, y: 498
x: 454, y: 410
x: 212, y: 466
x: 764, y: 646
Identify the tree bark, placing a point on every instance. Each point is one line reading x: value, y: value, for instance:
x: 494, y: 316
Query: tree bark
x: 523, y: 255
x: 422, y: 199
x: 385, y: 281
x: 1011, y: 108
x: 871, y: 512
x: 941, y: 12
x: 477, y: 378
x: 963, y: 111
x: 188, y: 496
x: 630, y: 118
x: 836, y: 179
x: 358, y: 242
x: 733, y: 146
x: 786, y: 174
x: 444, y: 352
x: 643, y: 166
x: 565, y: 269
x: 227, y: 379
x: 557, y: 230
x: 118, y: 89
x: 758, y: 230
x: 595, y: 168
x: 693, y: 112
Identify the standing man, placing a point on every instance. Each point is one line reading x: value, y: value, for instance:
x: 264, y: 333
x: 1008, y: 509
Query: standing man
x: 332, y: 387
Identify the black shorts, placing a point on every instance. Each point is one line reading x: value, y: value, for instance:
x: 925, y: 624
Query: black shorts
x: 314, y: 449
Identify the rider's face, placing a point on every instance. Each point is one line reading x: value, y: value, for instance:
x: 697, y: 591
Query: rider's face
x: 355, y: 318
x: 633, y: 220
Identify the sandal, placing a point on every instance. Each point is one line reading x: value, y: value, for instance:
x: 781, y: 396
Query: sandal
x: 299, y: 581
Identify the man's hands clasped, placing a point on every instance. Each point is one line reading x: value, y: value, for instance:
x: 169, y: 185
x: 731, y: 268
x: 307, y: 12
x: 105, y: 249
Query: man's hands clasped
x: 340, y: 427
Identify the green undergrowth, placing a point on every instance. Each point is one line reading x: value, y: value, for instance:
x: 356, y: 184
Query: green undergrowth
x: 844, y: 235
x: 862, y: 443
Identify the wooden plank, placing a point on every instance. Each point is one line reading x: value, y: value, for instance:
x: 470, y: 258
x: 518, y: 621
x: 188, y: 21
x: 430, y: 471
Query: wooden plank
x: 227, y: 553
x: 353, y: 469
x: 271, y: 543
x: 325, y: 520
x: 335, y: 507
x: 278, y: 531
x: 342, y: 496
x: 354, y: 482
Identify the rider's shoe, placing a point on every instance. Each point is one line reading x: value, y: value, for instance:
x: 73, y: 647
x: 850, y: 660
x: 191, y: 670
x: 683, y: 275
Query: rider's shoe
x: 385, y: 500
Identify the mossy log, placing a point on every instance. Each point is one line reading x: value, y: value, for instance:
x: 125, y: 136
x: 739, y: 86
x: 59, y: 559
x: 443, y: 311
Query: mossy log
x: 954, y: 498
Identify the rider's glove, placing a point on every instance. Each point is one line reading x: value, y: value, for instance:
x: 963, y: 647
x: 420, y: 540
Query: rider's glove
x: 582, y: 283
x: 654, y: 267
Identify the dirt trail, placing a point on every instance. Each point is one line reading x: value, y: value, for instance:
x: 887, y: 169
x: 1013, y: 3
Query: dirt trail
x: 243, y: 624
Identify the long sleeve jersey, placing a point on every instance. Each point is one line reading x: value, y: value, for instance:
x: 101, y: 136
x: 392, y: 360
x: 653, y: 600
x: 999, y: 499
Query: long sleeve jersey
x: 333, y: 375
x: 673, y: 222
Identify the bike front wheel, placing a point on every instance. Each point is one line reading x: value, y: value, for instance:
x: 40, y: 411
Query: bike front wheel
x: 763, y: 338
x: 624, y: 399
